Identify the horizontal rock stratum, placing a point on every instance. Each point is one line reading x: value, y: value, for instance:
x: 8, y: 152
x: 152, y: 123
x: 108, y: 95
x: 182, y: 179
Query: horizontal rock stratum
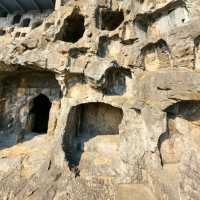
x: 100, y: 100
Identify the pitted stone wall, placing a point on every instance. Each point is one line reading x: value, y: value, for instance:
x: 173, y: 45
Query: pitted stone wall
x: 124, y: 92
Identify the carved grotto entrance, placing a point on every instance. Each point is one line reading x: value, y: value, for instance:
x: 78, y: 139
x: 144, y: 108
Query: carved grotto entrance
x: 26, y: 99
x: 183, y: 125
x: 39, y: 114
x: 91, y: 139
x: 73, y: 28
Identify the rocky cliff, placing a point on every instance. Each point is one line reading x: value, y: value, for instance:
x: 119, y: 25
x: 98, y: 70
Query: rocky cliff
x: 101, y: 101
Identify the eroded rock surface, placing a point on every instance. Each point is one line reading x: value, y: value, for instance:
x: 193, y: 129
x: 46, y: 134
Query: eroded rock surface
x: 100, y: 100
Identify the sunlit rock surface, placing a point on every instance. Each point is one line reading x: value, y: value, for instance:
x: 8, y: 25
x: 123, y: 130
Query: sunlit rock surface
x: 100, y: 100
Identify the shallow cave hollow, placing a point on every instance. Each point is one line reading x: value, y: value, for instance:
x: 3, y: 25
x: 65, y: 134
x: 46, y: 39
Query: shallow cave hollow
x: 189, y: 110
x: 156, y: 56
x: 73, y: 28
x: 116, y: 81
x: 85, y: 122
x: 16, y: 19
x: 107, y: 19
x: 25, y: 22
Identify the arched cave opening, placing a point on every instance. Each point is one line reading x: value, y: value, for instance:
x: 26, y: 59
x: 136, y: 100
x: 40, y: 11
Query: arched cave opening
x: 156, y: 56
x: 116, y: 81
x: 16, y: 19
x: 39, y: 114
x: 17, y: 34
x: 107, y: 19
x: 23, y: 35
x: 92, y: 129
x: 73, y: 28
x: 26, y: 22
x: 2, y: 32
x: 22, y: 116
x: 183, y: 121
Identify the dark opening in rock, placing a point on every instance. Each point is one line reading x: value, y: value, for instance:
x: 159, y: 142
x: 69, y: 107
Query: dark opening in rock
x: 88, y: 126
x: 76, y: 52
x: 107, y: 19
x: 73, y: 28
x: 40, y: 114
x: 53, y: 2
x: 115, y: 83
x: 16, y: 19
x: 2, y: 32
x: 17, y: 34
x: 141, y: 24
x: 103, y: 46
x: 23, y: 34
x: 26, y: 22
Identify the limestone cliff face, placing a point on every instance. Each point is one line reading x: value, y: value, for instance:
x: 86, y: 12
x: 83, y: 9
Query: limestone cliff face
x: 100, y: 100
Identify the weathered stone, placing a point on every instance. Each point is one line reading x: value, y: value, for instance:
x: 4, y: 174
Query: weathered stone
x: 100, y: 99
